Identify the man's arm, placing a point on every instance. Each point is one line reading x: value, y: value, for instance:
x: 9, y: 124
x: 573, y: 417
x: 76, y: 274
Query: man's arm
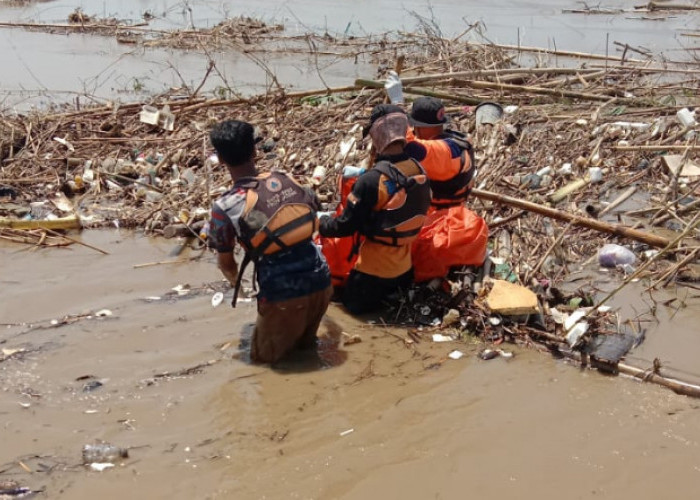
x: 228, y: 267
x: 358, y: 209
x: 222, y: 238
x: 435, y: 155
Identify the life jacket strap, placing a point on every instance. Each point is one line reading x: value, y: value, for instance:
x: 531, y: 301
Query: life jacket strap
x: 253, y: 255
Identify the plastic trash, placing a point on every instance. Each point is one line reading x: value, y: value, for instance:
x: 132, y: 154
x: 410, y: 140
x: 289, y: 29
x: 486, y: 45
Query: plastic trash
x: 103, y: 453
x: 612, y: 255
x: 318, y: 174
x: 686, y: 117
x: 166, y: 120
x: 394, y: 88
x: 451, y: 317
x: 63, y: 141
x: 595, y: 174
x: 488, y: 113
x: 532, y: 181
x: 149, y: 115
x: 351, y: 171
x: 576, y: 332
x: 188, y: 176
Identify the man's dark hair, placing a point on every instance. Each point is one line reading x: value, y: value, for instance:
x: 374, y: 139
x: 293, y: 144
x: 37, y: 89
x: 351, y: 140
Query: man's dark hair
x: 234, y: 141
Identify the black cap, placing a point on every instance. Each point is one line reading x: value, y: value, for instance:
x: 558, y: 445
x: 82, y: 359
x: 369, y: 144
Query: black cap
x: 427, y: 112
x: 378, y: 111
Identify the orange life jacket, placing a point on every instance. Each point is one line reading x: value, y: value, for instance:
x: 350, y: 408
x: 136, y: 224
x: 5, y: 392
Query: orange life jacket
x: 455, y: 190
x: 279, y: 213
x: 399, y: 221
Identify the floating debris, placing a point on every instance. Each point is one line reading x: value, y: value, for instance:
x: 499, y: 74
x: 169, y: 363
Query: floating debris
x: 217, y: 299
x: 102, y: 453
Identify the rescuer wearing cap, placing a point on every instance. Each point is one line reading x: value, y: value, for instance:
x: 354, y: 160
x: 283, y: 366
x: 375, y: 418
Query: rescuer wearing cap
x: 384, y: 212
x: 452, y: 235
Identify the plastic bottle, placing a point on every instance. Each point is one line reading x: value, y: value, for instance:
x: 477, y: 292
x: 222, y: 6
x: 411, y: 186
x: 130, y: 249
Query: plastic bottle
x: 352, y: 171
x: 103, y: 453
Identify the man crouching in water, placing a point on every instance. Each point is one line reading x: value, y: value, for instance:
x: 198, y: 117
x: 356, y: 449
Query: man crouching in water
x: 385, y: 212
x: 273, y: 218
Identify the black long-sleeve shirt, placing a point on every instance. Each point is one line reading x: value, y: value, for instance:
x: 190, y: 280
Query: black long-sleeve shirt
x: 363, y: 198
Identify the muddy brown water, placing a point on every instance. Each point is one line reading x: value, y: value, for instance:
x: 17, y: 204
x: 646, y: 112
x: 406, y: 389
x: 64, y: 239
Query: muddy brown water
x: 32, y: 64
x: 379, y: 420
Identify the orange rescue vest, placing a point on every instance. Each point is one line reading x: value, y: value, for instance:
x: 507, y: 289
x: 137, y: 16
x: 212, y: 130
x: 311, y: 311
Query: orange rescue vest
x: 399, y: 221
x: 279, y: 213
x: 455, y: 190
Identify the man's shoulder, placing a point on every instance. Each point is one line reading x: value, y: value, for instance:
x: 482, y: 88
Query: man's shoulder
x: 234, y: 197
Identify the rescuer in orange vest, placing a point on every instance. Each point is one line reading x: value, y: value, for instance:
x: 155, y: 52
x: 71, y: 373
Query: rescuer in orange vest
x: 386, y: 209
x: 452, y: 234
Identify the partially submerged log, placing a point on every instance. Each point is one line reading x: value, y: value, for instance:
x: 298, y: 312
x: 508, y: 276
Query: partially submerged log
x: 70, y: 222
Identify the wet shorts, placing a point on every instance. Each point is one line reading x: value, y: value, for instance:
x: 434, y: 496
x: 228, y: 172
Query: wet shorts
x: 364, y: 293
x: 287, y: 324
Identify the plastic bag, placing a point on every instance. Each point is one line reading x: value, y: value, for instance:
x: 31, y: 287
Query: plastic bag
x: 451, y: 237
x: 612, y: 255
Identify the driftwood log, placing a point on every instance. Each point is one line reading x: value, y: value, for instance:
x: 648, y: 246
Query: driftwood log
x: 627, y: 232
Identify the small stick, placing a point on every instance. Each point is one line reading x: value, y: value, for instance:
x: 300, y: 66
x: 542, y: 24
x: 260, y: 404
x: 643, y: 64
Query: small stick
x: 619, y: 200
x: 551, y: 248
x: 55, y: 233
x: 668, y: 275
x: 162, y: 262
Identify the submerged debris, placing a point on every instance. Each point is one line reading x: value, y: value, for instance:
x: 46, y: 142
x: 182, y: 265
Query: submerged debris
x: 103, y: 453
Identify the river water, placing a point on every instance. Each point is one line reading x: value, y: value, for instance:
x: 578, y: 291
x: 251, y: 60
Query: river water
x: 34, y: 65
x: 379, y: 420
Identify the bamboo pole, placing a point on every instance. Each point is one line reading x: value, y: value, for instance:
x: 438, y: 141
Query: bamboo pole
x: 537, y: 90
x: 495, y: 72
x: 71, y: 222
x: 73, y: 240
x: 83, y: 27
x: 655, y: 148
x: 652, y: 6
x: 361, y: 82
x: 563, y: 53
x: 565, y: 191
x: 677, y: 386
x: 604, y: 227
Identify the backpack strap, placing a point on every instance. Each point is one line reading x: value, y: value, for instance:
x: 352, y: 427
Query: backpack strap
x: 394, y: 174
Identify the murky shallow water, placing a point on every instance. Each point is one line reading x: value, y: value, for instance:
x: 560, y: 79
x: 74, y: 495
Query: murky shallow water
x: 531, y: 427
